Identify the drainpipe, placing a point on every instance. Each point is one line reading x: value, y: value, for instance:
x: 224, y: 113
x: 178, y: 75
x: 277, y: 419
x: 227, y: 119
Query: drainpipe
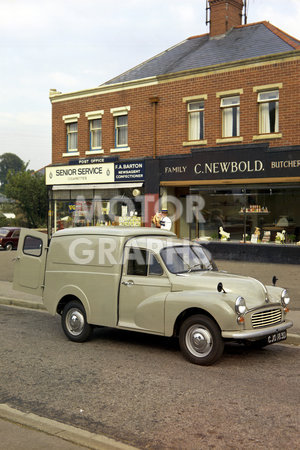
x: 154, y: 101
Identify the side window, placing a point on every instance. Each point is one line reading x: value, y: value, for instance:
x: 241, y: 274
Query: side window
x: 142, y: 263
x: 154, y: 266
x: 16, y: 233
x: 137, y: 262
x: 32, y: 246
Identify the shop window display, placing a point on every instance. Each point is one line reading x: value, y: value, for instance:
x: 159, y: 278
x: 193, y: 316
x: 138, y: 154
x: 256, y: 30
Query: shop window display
x: 254, y: 214
x: 96, y: 208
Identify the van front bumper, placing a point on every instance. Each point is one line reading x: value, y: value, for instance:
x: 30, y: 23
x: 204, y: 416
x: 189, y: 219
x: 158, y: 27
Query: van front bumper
x: 257, y: 334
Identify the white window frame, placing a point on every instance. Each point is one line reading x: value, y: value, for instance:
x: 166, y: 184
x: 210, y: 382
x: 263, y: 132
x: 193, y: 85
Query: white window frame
x: 230, y: 107
x: 91, y: 116
x: 120, y: 112
x: 196, y: 120
x: 265, y: 99
x: 69, y: 120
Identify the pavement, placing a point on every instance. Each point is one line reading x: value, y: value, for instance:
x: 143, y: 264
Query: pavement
x: 28, y: 431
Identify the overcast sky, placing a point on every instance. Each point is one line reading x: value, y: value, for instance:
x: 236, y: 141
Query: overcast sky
x: 71, y: 45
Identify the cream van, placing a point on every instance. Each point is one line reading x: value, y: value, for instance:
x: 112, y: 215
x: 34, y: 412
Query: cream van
x: 147, y: 280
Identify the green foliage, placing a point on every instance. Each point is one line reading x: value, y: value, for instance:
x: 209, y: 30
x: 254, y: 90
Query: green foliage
x: 9, y: 161
x: 30, y: 193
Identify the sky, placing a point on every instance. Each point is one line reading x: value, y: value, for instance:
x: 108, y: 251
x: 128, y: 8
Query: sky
x: 70, y: 45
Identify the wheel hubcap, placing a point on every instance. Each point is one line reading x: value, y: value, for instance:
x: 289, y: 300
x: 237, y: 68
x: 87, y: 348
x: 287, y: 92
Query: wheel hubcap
x: 199, y: 340
x: 75, y: 322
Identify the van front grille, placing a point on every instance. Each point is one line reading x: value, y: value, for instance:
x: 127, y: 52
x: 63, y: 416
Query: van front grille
x: 266, y: 318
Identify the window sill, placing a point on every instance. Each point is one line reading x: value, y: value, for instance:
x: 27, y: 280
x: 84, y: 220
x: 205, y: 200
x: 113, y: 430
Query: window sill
x: 267, y: 136
x: 202, y: 142
x: 94, y: 152
x: 229, y: 140
x: 120, y: 149
x: 66, y: 155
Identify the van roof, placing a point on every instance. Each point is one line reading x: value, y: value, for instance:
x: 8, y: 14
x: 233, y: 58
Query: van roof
x: 113, y: 231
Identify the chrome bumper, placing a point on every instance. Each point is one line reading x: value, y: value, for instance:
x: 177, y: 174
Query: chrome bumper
x: 253, y: 334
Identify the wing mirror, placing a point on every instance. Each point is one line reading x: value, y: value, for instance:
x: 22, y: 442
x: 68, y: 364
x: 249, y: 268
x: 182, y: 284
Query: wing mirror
x: 220, y: 288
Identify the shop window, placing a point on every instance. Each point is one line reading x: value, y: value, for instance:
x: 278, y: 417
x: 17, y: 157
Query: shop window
x: 230, y: 116
x: 121, y: 128
x: 247, y: 214
x: 268, y: 112
x: 196, y: 120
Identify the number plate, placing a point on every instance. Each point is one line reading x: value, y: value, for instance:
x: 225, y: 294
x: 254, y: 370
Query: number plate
x: 277, y: 337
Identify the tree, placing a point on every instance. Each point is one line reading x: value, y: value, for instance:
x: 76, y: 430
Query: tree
x: 30, y: 193
x: 9, y: 161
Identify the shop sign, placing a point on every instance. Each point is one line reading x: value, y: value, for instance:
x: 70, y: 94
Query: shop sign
x: 130, y: 171
x: 94, y: 160
x: 232, y: 164
x: 89, y: 173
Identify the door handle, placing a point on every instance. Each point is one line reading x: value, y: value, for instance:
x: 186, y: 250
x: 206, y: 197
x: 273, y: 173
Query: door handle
x: 128, y: 283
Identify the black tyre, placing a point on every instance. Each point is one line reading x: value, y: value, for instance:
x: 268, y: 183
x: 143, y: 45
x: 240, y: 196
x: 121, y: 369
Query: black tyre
x: 74, y: 322
x: 200, y: 340
x: 9, y: 246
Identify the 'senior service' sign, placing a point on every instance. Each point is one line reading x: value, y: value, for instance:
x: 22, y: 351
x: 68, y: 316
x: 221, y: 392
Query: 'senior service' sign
x: 81, y: 174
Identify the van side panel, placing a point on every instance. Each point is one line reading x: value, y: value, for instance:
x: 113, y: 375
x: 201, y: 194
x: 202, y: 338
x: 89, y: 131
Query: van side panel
x: 87, y: 267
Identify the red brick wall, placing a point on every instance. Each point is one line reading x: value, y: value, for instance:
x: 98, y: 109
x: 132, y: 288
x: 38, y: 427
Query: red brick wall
x: 224, y: 14
x: 172, y: 114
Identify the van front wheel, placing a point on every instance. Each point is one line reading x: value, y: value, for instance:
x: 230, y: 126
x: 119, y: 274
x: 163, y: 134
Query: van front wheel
x: 74, y: 322
x: 200, y: 340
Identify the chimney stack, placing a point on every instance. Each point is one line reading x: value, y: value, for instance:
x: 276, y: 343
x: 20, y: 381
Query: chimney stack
x: 224, y: 14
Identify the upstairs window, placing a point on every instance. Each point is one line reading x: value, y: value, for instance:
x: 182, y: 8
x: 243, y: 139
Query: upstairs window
x: 95, y: 126
x: 196, y: 120
x: 230, y: 116
x: 268, y: 112
x: 121, y: 131
x: 121, y: 128
x: 72, y: 137
x: 71, y: 122
x: 96, y: 134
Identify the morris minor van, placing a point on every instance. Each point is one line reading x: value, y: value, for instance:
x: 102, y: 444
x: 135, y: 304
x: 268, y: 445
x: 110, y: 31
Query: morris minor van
x: 147, y: 280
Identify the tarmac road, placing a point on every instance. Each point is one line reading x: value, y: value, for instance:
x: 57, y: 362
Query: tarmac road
x: 138, y: 389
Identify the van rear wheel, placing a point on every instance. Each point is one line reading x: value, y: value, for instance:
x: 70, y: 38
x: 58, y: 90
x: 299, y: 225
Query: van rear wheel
x: 74, y: 322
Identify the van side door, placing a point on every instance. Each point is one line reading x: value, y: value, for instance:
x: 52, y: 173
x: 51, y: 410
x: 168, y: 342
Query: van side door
x: 29, y: 267
x: 143, y: 291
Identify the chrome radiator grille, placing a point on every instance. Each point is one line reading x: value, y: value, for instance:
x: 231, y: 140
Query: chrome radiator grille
x: 266, y: 318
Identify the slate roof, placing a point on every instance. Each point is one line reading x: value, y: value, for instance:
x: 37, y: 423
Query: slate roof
x: 240, y: 43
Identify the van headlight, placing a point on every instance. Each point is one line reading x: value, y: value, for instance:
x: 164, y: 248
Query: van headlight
x: 240, y: 305
x: 285, y: 298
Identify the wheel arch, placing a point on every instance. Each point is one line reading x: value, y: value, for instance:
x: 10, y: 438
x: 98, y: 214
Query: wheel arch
x: 188, y: 313
x: 65, y: 300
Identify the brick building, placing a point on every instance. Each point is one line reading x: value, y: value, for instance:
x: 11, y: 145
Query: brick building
x: 212, y: 122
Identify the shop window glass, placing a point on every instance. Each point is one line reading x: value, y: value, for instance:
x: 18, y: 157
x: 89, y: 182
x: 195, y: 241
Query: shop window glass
x: 257, y: 214
x: 230, y: 116
x: 268, y: 112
